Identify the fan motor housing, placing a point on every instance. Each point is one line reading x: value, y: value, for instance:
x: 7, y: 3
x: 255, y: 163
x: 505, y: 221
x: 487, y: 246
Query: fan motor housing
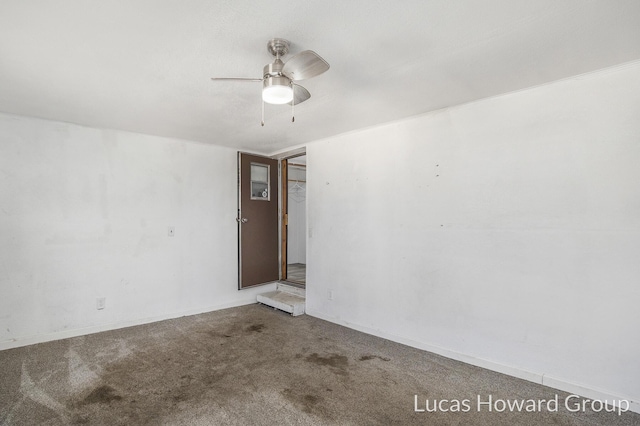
x: 273, y: 69
x: 273, y: 75
x: 276, y: 81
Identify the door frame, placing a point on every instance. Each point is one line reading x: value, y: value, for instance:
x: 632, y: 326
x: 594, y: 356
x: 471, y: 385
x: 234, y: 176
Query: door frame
x: 284, y: 219
x: 283, y: 186
x: 284, y: 215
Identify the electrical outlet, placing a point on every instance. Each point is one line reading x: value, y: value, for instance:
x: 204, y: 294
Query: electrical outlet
x: 172, y: 231
x: 101, y: 303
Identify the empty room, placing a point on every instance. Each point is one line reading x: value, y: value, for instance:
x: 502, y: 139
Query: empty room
x: 320, y: 212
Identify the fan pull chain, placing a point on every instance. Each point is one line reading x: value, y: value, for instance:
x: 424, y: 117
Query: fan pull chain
x: 293, y: 103
x: 262, y: 122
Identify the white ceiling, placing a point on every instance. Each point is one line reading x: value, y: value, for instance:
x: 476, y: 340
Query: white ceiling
x: 144, y: 65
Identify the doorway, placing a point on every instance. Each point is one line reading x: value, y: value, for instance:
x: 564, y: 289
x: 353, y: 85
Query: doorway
x: 294, y: 225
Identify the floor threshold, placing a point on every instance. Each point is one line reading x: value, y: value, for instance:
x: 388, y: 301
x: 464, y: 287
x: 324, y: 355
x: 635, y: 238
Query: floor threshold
x: 286, y: 298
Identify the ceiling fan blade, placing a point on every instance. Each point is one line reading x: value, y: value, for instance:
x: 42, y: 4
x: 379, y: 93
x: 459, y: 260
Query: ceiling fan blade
x: 304, y: 65
x: 235, y: 79
x: 300, y: 94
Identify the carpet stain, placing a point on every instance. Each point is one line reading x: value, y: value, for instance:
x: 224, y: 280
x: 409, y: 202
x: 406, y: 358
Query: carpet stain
x: 370, y: 357
x: 255, y: 328
x: 306, y: 402
x: 101, y: 395
x: 237, y: 331
x: 336, y: 362
x: 310, y: 400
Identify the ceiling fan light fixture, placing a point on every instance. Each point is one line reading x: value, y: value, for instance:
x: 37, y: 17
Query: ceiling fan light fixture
x: 277, y: 90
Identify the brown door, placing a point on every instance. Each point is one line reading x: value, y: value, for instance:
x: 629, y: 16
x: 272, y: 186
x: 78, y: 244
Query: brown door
x: 257, y: 220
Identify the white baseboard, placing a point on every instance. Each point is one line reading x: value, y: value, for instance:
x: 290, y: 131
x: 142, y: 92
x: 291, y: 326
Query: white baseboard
x: 540, y: 378
x: 41, y: 338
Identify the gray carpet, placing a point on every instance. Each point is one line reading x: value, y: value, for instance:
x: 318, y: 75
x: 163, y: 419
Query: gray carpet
x: 252, y: 366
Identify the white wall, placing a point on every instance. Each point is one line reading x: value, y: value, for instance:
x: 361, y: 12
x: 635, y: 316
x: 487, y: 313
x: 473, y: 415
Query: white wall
x: 84, y: 214
x: 505, y: 232
x: 297, y: 216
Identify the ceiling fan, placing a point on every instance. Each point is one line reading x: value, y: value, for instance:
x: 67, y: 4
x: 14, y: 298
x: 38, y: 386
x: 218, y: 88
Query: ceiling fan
x: 279, y: 78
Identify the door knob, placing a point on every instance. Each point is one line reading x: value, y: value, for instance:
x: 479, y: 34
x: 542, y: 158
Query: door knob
x: 243, y: 220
